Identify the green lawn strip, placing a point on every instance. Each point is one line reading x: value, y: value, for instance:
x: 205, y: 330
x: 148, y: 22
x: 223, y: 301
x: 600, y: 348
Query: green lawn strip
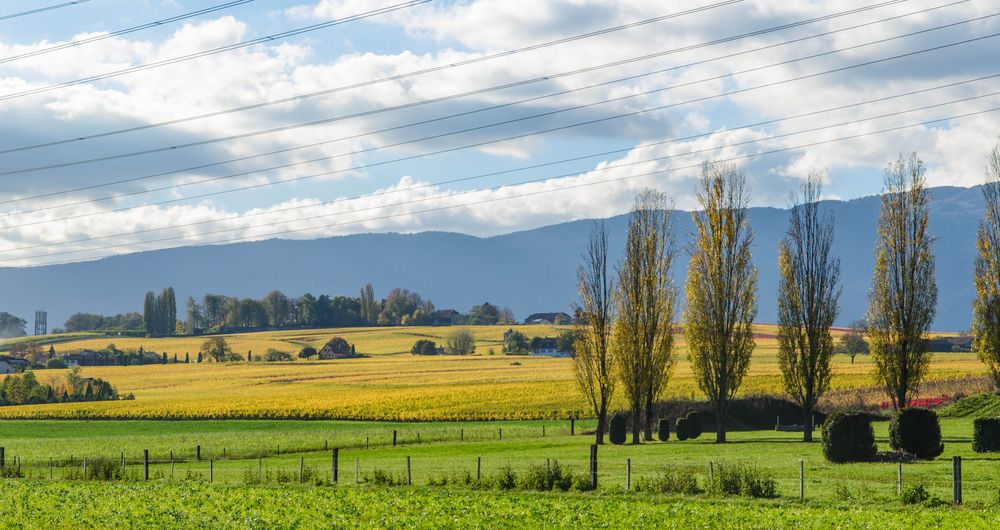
x: 198, y: 505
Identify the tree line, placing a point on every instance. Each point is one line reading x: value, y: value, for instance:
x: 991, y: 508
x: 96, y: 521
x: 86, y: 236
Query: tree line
x: 625, y: 338
x: 24, y: 389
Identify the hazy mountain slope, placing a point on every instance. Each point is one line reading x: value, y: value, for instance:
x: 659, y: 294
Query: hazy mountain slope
x: 529, y: 271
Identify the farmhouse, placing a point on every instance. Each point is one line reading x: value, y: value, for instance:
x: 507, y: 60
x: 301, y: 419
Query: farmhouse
x: 91, y: 358
x: 445, y: 317
x: 337, y: 348
x: 549, y: 318
x: 9, y: 365
x: 546, y: 347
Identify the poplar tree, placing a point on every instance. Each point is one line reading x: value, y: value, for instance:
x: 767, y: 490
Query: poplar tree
x: 592, y: 362
x: 901, y: 305
x: 721, y: 289
x: 986, y: 310
x: 149, y: 313
x: 808, y: 301
x: 643, y: 331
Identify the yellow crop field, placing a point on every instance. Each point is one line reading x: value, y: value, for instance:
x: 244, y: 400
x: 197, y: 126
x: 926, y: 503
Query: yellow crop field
x: 390, y: 385
x: 369, y: 341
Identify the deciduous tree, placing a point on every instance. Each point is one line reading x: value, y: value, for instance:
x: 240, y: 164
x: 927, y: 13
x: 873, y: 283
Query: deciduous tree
x: 808, y: 301
x: 592, y: 362
x: 643, y: 331
x: 986, y: 310
x: 901, y: 305
x: 721, y: 290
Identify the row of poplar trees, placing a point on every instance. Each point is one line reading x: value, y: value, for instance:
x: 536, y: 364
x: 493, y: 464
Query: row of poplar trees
x: 626, y: 334
x: 159, y: 313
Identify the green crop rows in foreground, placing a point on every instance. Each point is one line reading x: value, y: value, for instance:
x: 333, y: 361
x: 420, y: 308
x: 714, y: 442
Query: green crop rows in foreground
x: 199, y: 505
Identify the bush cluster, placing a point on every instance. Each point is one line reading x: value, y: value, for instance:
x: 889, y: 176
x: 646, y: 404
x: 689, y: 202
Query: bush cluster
x: 688, y: 426
x: 743, y: 480
x: 848, y: 437
x: 543, y: 477
x: 618, y: 428
x: 916, y: 431
x: 918, y: 494
x: 986, y: 435
x: 670, y: 479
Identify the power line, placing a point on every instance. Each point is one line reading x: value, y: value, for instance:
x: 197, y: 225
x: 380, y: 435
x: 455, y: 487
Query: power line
x: 214, y: 51
x: 42, y: 9
x: 480, y: 91
x: 528, y: 194
x: 176, y: 147
x: 452, y: 149
x: 126, y: 31
x: 440, y: 68
x: 562, y: 161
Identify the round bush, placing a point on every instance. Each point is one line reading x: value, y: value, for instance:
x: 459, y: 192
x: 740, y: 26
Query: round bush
x: 916, y: 431
x: 682, y: 428
x: 618, y: 428
x: 986, y: 435
x: 663, y: 430
x: 694, y: 425
x: 848, y: 437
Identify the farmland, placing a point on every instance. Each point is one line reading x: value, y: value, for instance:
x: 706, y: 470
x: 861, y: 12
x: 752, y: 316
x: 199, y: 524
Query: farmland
x: 181, y: 495
x: 390, y: 384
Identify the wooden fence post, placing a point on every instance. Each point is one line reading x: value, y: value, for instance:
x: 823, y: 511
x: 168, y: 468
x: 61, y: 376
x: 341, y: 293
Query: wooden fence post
x: 711, y: 472
x: 593, y: 466
x: 84, y: 469
x: 956, y: 462
x: 260, y: 470
x: 802, y: 480
x: 3, y: 458
x: 197, y: 451
x: 366, y: 442
x: 394, y: 438
x: 543, y: 430
x: 418, y: 438
x: 479, y: 468
x: 899, y: 478
x: 628, y: 474
x: 50, y: 467
x: 409, y: 477
x: 336, y: 463
x: 357, y: 470
x: 301, y: 463
x: 211, y: 470
x: 572, y: 426
x: 500, y: 432
x: 145, y: 464
x: 463, y: 435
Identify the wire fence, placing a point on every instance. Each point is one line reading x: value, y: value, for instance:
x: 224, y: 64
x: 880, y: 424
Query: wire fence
x: 955, y: 480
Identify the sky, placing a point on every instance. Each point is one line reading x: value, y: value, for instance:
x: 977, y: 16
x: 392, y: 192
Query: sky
x: 477, y: 116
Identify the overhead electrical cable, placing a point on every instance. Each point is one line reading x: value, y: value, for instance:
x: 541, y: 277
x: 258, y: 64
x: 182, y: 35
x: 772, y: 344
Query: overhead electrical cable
x: 42, y: 9
x: 466, y: 62
x: 214, y: 51
x: 126, y: 31
x: 528, y: 194
x: 175, y: 147
x: 572, y: 159
x: 468, y: 146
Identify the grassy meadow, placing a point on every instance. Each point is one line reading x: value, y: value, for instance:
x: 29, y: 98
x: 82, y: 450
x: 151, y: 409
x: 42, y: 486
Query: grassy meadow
x: 390, y: 384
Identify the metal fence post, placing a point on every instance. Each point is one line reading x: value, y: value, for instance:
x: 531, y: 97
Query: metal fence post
x: 802, y: 480
x: 336, y: 463
x: 956, y: 462
x: 628, y: 474
x: 479, y: 467
x: 899, y: 478
x: 409, y: 477
x: 593, y: 466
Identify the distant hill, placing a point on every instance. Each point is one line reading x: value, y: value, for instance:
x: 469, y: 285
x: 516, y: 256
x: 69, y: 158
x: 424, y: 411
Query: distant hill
x: 530, y: 271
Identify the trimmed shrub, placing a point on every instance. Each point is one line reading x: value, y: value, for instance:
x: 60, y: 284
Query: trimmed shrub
x: 986, y: 435
x: 694, y: 425
x: 848, y: 437
x: 916, y: 431
x: 682, y: 428
x: 663, y: 430
x: 618, y: 428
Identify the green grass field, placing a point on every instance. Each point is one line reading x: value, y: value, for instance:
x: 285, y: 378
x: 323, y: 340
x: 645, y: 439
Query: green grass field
x: 199, y: 505
x: 179, y: 495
